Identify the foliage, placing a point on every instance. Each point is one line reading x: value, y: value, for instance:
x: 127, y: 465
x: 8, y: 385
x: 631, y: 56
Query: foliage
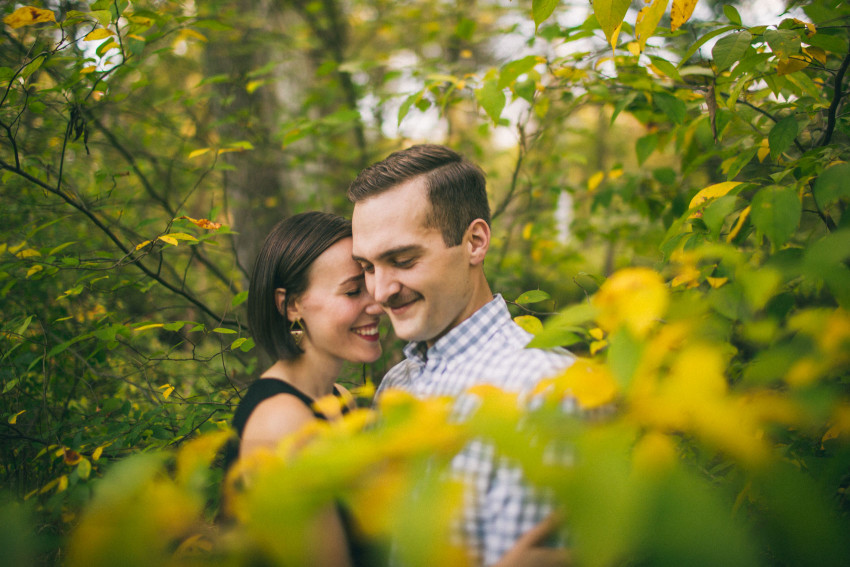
x: 704, y: 278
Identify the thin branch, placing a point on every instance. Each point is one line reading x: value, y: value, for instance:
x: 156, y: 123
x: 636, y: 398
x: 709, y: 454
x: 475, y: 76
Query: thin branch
x: 111, y: 235
x: 836, y: 100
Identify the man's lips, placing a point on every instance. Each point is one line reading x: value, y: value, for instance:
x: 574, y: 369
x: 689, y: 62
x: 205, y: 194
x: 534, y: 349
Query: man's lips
x: 397, y: 304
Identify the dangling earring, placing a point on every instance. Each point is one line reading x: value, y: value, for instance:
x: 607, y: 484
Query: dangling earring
x: 296, y: 329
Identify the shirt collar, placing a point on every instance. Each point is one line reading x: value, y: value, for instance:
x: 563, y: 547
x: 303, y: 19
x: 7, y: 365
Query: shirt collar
x: 470, y: 332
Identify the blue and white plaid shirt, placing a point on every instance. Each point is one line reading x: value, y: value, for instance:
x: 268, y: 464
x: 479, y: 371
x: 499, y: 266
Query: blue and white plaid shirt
x: 486, y: 348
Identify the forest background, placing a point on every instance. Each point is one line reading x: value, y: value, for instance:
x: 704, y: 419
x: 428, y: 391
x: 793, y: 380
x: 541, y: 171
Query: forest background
x: 669, y: 187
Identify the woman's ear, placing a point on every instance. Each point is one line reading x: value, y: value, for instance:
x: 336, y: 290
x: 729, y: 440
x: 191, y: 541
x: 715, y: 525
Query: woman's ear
x: 477, y: 241
x: 280, y: 300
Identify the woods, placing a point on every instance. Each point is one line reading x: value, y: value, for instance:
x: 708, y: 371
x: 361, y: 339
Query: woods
x: 669, y: 189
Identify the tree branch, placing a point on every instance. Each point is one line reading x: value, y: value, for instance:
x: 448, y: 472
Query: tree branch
x: 836, y: 100
x: 111, y: 235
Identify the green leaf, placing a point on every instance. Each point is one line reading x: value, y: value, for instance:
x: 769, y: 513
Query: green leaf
x: 645, y: 145
x: 239, y: 298
x: 492, y: 99
x: 833, y: 184
x: 674, y: 108
x: 730, y: 49
x: 782, y: 135
x: 405, y: 106
x: 542, y: 9
x: 237, y: 343
x: 776, y: 213
x: 513, y: 69
x: 529, y: 323
x: 732, y: 14
x: 783, y: 43
x: 224, y: 331
x: 610, y: 14
x: 32, y: 67
x: 716, y: 212
x: 247, y: 345
x: 533, y: 296
x: 666, y: 67
x: 701, y: 41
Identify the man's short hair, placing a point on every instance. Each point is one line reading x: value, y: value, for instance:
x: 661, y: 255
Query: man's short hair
x: 456, y: 187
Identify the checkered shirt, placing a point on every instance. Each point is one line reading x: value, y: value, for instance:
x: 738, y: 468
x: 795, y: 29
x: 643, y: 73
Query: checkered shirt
x: 486, y: 348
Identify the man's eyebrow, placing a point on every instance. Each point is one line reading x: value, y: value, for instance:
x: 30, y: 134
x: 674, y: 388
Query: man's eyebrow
x: 407, y: 249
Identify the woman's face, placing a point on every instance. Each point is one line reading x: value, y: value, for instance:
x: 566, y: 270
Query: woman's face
x: 339, y: 315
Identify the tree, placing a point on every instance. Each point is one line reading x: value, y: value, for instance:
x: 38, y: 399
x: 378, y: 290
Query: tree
x: 703, y: 278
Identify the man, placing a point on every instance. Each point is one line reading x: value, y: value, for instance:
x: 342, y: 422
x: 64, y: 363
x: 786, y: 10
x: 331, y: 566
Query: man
x: 421, y: 228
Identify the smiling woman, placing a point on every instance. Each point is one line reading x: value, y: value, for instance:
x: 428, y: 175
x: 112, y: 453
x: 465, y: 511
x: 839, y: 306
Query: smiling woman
x: 309, y: 309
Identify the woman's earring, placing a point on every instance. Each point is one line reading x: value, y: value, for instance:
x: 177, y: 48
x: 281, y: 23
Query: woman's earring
x: 296, y: 329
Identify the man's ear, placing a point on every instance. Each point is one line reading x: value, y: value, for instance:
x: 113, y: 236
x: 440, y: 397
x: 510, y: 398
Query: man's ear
x: 477, y: 241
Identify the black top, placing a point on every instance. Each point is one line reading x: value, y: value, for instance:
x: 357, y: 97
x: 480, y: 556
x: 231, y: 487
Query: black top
x: 258, y: 392
x: 266, y: 388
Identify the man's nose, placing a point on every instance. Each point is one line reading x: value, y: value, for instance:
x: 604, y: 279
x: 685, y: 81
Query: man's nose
x: 384, y: 285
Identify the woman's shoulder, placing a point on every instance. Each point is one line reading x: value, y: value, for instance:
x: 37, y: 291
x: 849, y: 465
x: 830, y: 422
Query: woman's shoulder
x: 273, y: 419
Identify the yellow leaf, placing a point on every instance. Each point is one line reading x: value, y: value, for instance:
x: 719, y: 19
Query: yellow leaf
x: 816, y: 53
x: 27, y: 16
x: 63, y: 483
x: 633, y: 297
x: 596, y: 346
x: 182, y: 236
x: 14, y: 419
x: 84, y: 468
x: 28, y: 253
x: 711, y: 192
x: 71, y: 457
x: 595, y: 180
x: 187, y: 33
x: 48, y: 486
x: 764, y: 149
x: 196, y: 153
x: 168, y: 239
x: 647, y: 21
x: 108, y: 46
x: 166, y: 390
x: 597, y: 333
x: 589, y: 382
x: 633, y: 46
x: 99, y: 33
x: 681, y: 13
x: 34, y: 270
x: 143, y: 244
x: 89, y: 69
x: 791, y: 65
x: 526, y: 231
x: 716, y: 282
x: 97, y: 453
x: 529, y: 323
x: 654, y: 453
x: 687, y: 274
x: 738, y: 224
x: 203, y: 223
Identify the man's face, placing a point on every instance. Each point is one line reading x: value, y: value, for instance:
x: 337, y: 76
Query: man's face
x: 423, y: 285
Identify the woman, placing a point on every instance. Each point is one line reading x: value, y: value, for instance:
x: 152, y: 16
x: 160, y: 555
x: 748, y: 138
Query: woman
x: 308, y: 308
